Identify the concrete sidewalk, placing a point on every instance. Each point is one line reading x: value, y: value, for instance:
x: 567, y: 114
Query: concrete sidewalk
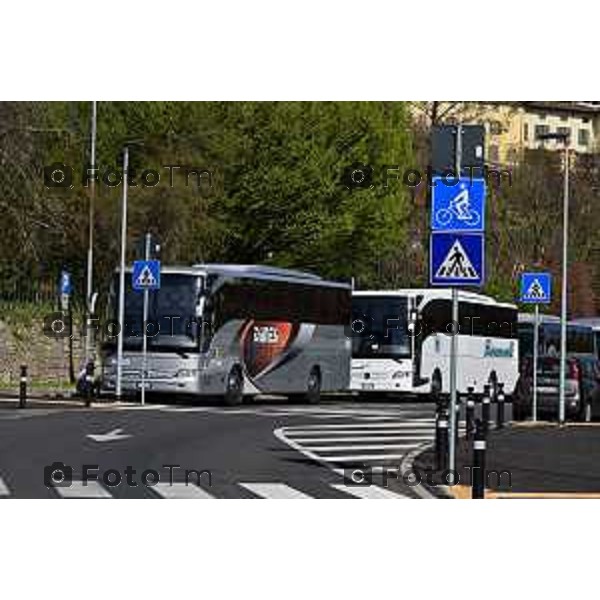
x: 532, y: 461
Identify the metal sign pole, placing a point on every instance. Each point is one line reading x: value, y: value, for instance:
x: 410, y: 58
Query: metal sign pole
x: 122, y: 276
x: 453, y: 365
x: 144, y: 325
x: 454, y: 339
x: 90, y: 260
x: 536, y: 338
x: 564, y: 282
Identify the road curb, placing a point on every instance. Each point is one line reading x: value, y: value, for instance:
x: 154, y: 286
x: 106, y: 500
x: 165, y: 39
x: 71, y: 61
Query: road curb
x: 422, y: 489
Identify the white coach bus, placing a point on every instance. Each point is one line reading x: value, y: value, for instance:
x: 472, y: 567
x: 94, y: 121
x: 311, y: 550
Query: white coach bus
x: 388, y: 358
x: 235, y: 331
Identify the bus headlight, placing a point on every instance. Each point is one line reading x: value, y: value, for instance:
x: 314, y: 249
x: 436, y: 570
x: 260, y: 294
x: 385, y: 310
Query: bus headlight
x: 400, y: 374
x: 187, y: 373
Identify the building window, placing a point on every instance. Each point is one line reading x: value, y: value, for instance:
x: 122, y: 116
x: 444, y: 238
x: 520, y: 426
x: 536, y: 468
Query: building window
x: 541, y: 130
x: 564, y: 131
x: 583, y: 137
x: 495, y: 128
x: 526, y: 132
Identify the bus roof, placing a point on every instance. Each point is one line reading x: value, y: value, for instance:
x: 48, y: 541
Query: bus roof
x: 249, y: 270
x: 593, y: 322
x: 434, y: 293
x: 529, y: 318
x: 254, y: 271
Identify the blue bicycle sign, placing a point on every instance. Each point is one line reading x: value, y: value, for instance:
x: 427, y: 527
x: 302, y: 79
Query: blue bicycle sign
x: 460, y: 207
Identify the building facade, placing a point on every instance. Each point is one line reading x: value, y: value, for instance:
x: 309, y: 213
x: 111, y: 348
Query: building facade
x: 513, y: 127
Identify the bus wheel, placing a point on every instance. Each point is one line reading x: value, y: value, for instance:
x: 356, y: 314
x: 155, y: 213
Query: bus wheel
x: 313, y: 386
x: 234, y: 388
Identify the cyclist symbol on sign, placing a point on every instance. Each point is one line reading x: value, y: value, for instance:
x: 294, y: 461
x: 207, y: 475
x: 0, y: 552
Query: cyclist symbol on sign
x: 460, y: 208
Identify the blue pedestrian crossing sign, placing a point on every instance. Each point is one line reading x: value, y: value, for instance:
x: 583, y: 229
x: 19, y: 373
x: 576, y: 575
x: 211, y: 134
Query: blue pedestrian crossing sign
x: 536, y: 288
x: 146, y: 275
x: 458, y: 207
x: 457, y: 259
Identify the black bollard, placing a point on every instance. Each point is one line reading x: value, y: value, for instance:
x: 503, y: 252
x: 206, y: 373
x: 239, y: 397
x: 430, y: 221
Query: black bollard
x: 456, y: 421
x: 478, y: 467
x: 441, y: 437
x: 500, y: 406
x: 23, y: 387
x: 485, y: 408
x: 470, y: 413
x: 89, y: 382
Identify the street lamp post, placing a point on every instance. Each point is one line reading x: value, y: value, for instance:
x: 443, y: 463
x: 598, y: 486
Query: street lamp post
x: 90, y: 256
x: 564, y: 139
x: 122, y: 275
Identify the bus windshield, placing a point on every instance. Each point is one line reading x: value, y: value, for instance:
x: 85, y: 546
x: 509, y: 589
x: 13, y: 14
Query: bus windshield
x: 385, y: 331
x: 172, y: 320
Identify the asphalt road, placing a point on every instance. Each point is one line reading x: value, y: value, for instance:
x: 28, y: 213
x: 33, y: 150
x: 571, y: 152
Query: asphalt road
x: 267, y: 450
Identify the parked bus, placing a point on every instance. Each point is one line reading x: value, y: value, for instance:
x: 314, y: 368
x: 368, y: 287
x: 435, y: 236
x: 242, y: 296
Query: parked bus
x: 581, y: 338
x: 235, y: 331
x: 387, y: 357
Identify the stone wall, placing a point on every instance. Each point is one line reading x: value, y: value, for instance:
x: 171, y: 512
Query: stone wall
x: 23, y: 342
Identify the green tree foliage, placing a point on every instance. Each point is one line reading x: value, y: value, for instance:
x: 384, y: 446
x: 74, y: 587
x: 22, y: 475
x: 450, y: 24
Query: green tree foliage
x: 276, y: 193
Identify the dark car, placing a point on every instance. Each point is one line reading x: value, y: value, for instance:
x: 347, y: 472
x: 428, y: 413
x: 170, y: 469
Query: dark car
x: 582, y: 387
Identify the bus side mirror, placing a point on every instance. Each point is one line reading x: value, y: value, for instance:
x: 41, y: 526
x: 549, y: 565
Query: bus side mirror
x: 413, y: 316
x: 200, y: 306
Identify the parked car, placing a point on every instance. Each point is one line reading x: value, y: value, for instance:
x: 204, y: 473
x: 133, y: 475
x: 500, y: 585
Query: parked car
x: 582, y: 387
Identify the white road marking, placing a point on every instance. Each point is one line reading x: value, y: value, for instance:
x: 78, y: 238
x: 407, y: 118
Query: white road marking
x: 383, y: 469
x: 110, y: 436
x: 4, y: 491
x: 370, y: 492
x: 93, y: 489
x: 187, y: 409
x: 365, y: 426
x: 307, y: 435
x: 180, y: 491
x: 360, y: 447
x: 275, y: 491
x: 362, y: 457
x: 386, y: 438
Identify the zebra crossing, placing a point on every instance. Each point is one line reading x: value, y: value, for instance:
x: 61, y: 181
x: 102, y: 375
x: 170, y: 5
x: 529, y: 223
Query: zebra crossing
x: 182, y: 491
x: 377, y: 446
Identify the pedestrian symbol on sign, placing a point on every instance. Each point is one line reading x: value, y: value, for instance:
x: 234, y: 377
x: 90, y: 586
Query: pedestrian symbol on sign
x: 456, y: 264
x: 535, y: 291
x: 145, y: 278
x: 146, y: 275
x: 457, y: 259
x: 536, y: 288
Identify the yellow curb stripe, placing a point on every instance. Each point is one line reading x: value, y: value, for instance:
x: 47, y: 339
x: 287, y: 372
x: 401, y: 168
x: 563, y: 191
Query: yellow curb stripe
x: 463, y: 492
x: 542, y: 495
x: 460, y: 491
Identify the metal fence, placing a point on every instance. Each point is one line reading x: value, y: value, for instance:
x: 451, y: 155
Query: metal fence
x: 30, y: 291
